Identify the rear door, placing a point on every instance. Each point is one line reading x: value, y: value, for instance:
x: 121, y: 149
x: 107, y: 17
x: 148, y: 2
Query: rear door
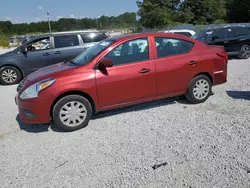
x: 176, y: 64
x: 66, y: 47
x: 132, y: 78
x: 239, y: 36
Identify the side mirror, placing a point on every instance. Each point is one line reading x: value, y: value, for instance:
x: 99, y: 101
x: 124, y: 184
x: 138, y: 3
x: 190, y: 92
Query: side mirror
x: 104, y: 63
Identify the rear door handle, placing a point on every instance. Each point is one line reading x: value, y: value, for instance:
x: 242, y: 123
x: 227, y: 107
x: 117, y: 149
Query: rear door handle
x: 192, y: 63
x: 46, y: 54
x: 58, y: 52
x: 226, y: 41
x: 143, y: 71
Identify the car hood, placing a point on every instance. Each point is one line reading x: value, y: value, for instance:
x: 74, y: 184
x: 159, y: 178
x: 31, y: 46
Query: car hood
x: 6, y: 54
x: 51, y: 71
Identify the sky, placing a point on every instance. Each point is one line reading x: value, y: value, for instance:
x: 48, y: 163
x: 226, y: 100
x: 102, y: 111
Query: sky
x: 35, y: 10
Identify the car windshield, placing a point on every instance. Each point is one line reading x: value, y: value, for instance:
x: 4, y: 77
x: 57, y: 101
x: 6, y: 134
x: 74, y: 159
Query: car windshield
x: 90, y: 53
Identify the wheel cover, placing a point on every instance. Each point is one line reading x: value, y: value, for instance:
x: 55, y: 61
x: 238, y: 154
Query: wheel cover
x: 9, y: 75
x: 73, y: 114
x: 201, y: 89
x: 246, y: 51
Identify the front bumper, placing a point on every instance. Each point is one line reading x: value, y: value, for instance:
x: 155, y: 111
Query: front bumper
x: 33, y: 111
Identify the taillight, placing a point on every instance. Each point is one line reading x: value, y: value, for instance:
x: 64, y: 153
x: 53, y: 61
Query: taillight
x: 223, y: 55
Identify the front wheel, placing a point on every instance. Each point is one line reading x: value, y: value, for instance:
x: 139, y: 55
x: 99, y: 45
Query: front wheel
x: 199, y: 89
x: 72, y: 112
x: 10, y: 75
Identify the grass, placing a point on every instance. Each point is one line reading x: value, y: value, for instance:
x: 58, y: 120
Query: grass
x: 4, y: 41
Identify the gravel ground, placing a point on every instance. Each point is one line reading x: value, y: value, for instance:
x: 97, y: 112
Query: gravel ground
x: 205, y: 145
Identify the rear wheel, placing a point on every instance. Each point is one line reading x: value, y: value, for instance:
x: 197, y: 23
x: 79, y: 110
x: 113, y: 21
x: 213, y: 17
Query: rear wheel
x: 10, y: 75
x: 199, y: 89
x: 244, y: 52
x: 72, y: 112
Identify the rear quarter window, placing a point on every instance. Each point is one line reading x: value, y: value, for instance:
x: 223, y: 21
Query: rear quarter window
x: 66, y: 41
x: 93, y: 37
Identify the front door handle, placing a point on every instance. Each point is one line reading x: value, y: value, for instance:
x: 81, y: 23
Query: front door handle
x: 58, y: 52
x: 192, y: 63
x: 143, y: 71
x: 46, y: 54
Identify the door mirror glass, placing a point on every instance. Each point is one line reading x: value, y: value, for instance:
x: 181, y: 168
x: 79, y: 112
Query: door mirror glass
x: 104, y: 63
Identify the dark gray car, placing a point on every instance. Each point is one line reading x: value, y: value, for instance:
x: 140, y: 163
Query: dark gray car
x: 44, y: 50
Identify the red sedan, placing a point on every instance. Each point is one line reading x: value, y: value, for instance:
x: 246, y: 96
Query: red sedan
x: 121, y: 71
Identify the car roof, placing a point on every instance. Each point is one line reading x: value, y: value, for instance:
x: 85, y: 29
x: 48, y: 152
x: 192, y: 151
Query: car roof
x: 225, y: 26
x: 154, y: 34
x: 64, y: 33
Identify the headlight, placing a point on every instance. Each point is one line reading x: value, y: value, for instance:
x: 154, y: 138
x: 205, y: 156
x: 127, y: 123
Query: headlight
x: 33, y: 90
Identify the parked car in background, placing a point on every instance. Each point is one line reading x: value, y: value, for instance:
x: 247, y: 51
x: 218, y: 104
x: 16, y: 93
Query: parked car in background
x: 118, y: 72
x: 186, y: 32
x: 235, y: 39
x: 44, y: 50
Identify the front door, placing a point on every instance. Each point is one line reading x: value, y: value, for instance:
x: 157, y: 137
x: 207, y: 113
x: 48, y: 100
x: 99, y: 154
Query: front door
x: 132, y: 77
x: 38, y: 55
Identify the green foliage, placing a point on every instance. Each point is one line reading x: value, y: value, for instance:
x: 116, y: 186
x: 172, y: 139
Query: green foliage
x: 4, y: 41
x: 157, y: 13
x: 202, y: 11
x: 238, y: 10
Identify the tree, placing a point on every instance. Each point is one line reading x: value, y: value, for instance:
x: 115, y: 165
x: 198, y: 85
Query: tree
x: 238, y: 10
x: 203, y: 11
x: 157, y: 13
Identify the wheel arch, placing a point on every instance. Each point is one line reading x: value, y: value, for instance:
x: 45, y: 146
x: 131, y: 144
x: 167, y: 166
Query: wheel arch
x: 13, y: 65
x: 74, y: 92
x: 206, y: 74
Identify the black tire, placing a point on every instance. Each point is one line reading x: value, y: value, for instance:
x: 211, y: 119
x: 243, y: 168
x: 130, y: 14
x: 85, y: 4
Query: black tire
x: 190, y: 96
x: 244, y: 52
x: 65, y: 100
x: 17, y: 75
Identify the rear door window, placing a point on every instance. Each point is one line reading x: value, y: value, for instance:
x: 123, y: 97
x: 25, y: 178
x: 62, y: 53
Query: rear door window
x: 66, y: 41
x: 168, y: 46
x: 92, y: 37
x: 232, y: 32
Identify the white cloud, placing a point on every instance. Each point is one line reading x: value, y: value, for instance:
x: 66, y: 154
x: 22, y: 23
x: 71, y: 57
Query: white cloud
x: 7, y: 18
x: 59, y: 17
x: 72, y: 16
x: 38, y: 19
x: 40, y: 7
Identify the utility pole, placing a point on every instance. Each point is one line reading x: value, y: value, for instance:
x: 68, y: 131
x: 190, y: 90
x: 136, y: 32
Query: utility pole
x: 49, y: 21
